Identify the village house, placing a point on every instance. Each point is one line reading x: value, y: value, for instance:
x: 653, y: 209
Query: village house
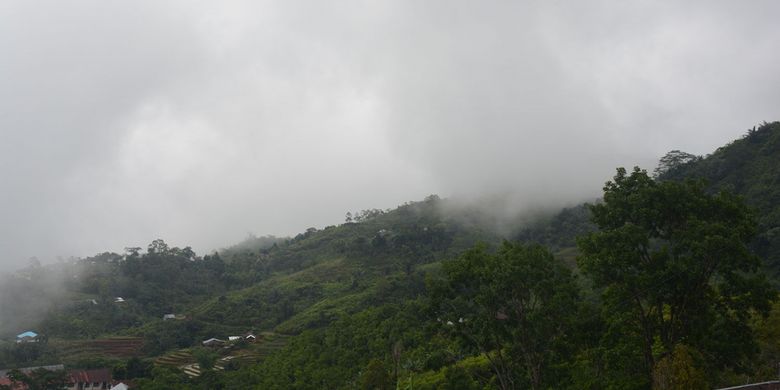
x: 27, y: 337
x: 213, y: 342
x: 99, y: 379
x: 249, y: 337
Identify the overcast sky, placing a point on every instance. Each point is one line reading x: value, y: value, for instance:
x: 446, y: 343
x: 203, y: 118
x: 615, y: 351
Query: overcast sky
x: 202, y: 122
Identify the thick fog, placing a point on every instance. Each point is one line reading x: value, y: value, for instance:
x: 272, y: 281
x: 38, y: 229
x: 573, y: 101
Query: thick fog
x: 200, y: 122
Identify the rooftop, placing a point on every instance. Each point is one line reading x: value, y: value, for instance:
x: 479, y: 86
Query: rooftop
x: 29, y: 333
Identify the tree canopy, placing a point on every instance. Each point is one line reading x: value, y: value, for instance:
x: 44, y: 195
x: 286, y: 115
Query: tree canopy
x: 675, y: 268
x: 515, y: 306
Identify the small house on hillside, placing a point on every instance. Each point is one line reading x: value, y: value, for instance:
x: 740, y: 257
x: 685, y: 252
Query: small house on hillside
x: 27, y: 337
x: 250, y: 337
x: 89, y: 379
x: 119, y: 300
x: 213, y: 342
x: 169, y: 317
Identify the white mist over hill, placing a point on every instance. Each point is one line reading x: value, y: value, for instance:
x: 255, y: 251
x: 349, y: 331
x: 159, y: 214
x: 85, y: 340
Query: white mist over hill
x: 199, y: 123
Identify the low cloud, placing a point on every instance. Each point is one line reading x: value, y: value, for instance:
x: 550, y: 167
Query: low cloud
x: 200, y: 123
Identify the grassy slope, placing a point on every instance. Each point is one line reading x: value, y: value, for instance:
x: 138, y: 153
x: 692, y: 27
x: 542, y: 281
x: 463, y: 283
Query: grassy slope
x: 339, y: 270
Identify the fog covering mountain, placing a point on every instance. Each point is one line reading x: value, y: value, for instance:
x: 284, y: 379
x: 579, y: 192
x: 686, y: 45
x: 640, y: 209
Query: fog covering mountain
x: 329, y: 300
x: 203, y: 122
x: 746, y: 166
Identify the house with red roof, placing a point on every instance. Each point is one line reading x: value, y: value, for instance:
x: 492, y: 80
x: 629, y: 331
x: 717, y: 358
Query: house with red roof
x: 4, y: 381
x: 99, y: 379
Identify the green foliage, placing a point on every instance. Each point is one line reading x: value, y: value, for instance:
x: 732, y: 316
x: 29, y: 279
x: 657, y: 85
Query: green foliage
x: 747, y: 167
x: 28, y: 354
x: 40, y: 379
x: 131, y: 369
x: 163, y: 280
x: 667, y: 280
x: 457, y: 378
x: 321, y: 274
x: 675, y: 268
x: 680, y: 371
x: 333, y: 357
x: 206, y: 357
x: 560, y: 230
x: 163, y: 378
x: 469, y: 372
x: 673, y: 160
x: 375, y: 377
x: 517, y: 306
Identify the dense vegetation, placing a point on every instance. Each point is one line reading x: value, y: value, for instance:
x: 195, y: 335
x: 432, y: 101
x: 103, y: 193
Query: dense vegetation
x: 667, y: 291
x: 749, y: 167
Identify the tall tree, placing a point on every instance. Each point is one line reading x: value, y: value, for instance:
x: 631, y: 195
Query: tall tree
x: 675, y: 268
x: 672, y: 160
x: 515, y: 306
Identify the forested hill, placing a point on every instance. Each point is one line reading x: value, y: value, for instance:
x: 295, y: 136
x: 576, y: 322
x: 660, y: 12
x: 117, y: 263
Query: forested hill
x: 750, y: 167
x: 260, y: 284
x: 409, y: 297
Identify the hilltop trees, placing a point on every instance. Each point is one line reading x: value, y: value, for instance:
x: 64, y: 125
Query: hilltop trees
x: 675, y: 270
x: 673, y: 160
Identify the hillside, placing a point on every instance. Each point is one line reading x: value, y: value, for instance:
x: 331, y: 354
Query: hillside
x: 321, y: 274
x: 387, y: 296
x: 749, y: 167
x: 261, y: 284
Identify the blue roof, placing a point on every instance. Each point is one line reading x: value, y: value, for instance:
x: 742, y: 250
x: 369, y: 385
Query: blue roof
x: 27, y: 334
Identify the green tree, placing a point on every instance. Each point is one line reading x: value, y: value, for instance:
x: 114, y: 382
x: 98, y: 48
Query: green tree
x: 158, y: 246
x: 515, y: 306
x: 672, y: 160
x: 137, y: 368
x: 40, y: 379
x: 164, y: 379
x: 375, y: 377
x: 457, y: 378
x: 679, y: 371
x: 205, y: 357
x: 675, y: 268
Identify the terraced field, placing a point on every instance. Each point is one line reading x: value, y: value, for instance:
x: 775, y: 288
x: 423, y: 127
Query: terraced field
x: 178, y: 358
x: 116, y: 347
x: 266, y: 344
x: 194, y: 369
x: 122, y: 347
